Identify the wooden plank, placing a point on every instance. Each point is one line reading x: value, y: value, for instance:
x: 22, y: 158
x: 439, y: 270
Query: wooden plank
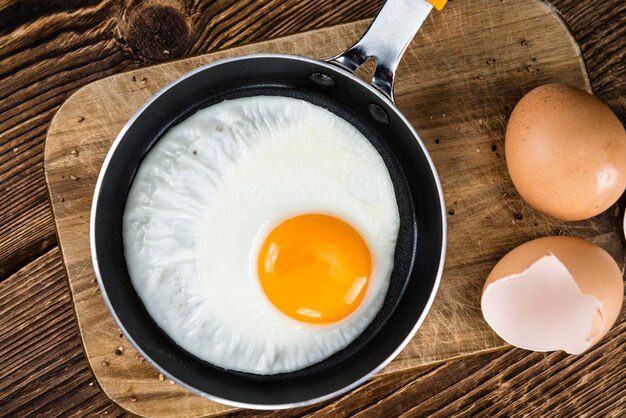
x: 457, y: 85
x: 53, y: 30
x: 510, y: 383
x: 35, y: 78
x: 43, y: 372
x: 599, y: 27
x: 41, y: 359
x: 50, y: 50
x: 517, y: 382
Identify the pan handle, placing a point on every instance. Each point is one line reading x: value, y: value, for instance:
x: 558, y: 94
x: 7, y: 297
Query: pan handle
x: 386, y: 40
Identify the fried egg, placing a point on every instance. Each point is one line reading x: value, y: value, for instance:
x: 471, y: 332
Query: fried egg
x: 260, y: 234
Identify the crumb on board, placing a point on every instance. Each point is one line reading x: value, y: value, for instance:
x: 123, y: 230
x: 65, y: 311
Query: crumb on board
x: 524, y: 43
x: 161, y: 377
x: 533, y: 70
x: 119, y: 351
x: 133, y: 399
x: 79, y: 119
x: 171, y: 382
x: 73, y: 177
x: 491, y: 61
x: 74, y: 152
x: 105, y: 363
x: 140, y: 358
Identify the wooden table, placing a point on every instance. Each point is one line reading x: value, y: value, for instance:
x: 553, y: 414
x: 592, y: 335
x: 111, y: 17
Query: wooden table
x: 49, y: 48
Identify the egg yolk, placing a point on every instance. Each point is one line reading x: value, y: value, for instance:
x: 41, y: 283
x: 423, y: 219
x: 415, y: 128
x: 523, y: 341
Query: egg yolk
x: 314, y: 268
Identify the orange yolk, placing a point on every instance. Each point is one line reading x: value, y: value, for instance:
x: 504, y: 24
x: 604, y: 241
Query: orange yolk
x: 314, y: 268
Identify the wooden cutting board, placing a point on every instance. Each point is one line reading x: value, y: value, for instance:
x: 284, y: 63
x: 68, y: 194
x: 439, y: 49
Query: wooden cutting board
x: 457, y: 84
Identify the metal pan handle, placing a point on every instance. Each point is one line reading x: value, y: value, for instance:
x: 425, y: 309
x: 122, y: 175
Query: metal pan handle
x: 386, y: 40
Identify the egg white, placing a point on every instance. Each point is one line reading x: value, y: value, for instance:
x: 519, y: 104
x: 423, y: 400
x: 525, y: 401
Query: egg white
x: 213, y: 188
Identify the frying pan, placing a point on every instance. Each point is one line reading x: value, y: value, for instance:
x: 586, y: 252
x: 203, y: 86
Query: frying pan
x: 370, y: 108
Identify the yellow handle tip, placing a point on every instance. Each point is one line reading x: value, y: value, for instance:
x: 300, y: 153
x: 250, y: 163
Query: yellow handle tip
x: 438, y: 4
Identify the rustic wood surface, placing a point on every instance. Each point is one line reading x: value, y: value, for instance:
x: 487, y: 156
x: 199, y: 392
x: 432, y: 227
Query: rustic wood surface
x: 459, y: 103
x: 49, y: 49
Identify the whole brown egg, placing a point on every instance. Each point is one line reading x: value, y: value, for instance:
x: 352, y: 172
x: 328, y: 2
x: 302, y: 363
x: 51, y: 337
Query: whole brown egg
x: 566, y: 152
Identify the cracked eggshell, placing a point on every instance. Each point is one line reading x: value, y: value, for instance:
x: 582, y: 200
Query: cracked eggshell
x: 554, y: 293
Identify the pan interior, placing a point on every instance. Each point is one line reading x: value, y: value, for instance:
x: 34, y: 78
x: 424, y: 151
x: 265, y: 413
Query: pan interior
x: 418, y: 204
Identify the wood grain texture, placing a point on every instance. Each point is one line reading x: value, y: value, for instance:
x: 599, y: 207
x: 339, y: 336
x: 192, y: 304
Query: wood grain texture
x: 40, y: 350
x: 49, y: 49
x: 34, y: 35
x: 457, y: 85
x: 43, y: 372
x: 600, y: 30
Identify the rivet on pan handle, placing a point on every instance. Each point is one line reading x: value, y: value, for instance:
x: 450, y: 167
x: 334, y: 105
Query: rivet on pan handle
x: 387, y: 38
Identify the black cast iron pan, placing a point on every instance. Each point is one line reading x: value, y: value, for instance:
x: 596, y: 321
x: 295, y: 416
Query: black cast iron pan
x: 330, y: 84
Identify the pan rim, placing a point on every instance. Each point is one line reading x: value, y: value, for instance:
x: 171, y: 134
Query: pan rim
x: 102, y: 175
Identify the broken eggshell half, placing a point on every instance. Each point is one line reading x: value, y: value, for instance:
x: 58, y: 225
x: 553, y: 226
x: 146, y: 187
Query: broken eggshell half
x: 553, y: 293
